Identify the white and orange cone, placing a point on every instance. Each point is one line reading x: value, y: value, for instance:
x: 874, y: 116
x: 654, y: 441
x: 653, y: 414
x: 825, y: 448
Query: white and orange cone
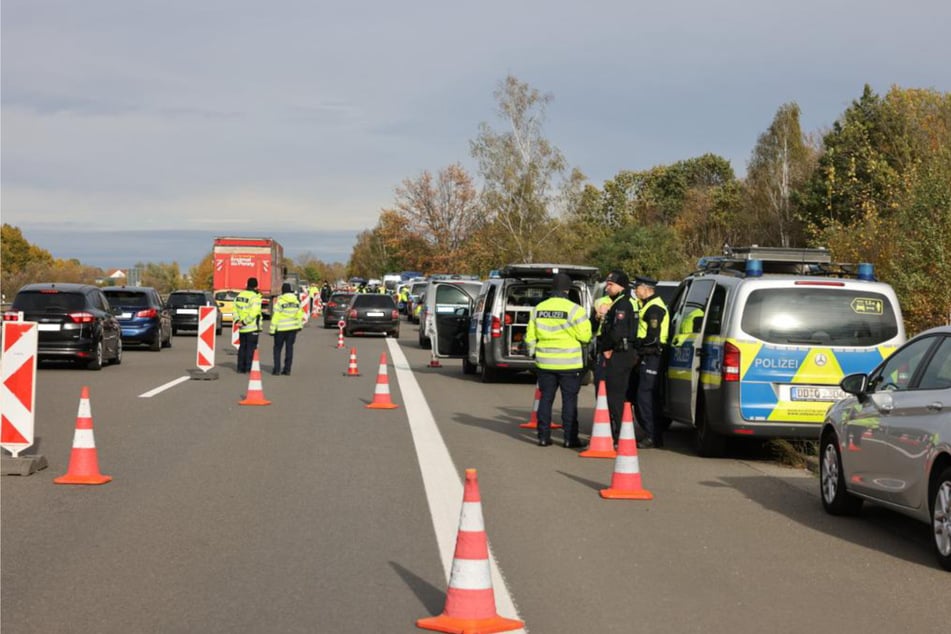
x: 533, y: 419
x: 352, y: 369
x: 381, y: 393
x: 602, y: 442
x: 626, y: 480
x: 255, y: 395
x: 340, y: 343
x: 470, y: 599
x: 84, y: 460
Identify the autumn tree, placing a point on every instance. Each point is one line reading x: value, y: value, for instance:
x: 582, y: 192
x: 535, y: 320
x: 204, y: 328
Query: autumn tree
x: 202, y: 275
x: 165, y: 277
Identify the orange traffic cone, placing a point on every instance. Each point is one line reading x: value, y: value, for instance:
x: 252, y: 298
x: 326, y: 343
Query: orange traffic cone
x: 533, y: 419
x: 852, y: 445
x: 84, y: 460
x: 470, y: 599
x: 352, y: 368
x: 255, y: 395
x: 626, y: 480
x: 602, y: 442
x: 381, y: 393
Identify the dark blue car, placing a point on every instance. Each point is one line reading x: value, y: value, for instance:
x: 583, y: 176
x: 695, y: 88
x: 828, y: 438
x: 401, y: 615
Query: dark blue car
x: 142, y: 316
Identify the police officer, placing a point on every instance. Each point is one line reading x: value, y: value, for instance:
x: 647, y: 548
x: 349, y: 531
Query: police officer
x: 287, y: 319
x: 616, y: 342
x: 557, y: 331
x: 652, y: 334
x: 247, y: 309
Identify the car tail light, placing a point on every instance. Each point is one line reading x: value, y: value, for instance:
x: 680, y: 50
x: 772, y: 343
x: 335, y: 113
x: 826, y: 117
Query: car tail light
x: 731, y: 363
x: 11, y: 317
x: 149, y: 312
x: 496, y: 330
x: 82, y: 318
x: 353, y: 314
x: 331, y: 304
x: 395, y: 314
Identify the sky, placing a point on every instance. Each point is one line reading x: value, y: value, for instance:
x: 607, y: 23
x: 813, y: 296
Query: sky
x: 138, y: 130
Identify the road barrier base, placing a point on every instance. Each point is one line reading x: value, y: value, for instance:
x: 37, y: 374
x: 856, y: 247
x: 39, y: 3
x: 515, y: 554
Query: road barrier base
x: 22, y: 465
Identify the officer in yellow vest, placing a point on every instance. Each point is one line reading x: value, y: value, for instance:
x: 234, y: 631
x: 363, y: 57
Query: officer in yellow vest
x: 286, y: 320
x: 652, y: 333
x: 557, y: 331
x: 247, y: 310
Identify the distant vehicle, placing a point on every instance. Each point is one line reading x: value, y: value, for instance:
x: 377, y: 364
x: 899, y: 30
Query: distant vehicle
x: 74, y: 321
x: 391, y: 281
x: 225, y: 302
x: 336, y: 308
x: 415, y: 291
x: 237, y: 259
x: 184, y: 305
x: 143, y: 317
x: 889, y: 441
x: 369, y: 312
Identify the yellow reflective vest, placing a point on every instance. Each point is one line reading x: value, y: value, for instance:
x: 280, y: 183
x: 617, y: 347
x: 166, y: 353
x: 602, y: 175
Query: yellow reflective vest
x: 247, y: 307
x: 557, y: 331
x: 287, y: 314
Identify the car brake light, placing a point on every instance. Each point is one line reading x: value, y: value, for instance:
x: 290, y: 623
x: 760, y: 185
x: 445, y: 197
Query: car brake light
x: 353, y: 314
x: 395, y: 314
x: 82, y: 318
x: 11, y: 317
x: 817, y: 283
x: 731, y: 363
x: 149, y: 312
x: 496, y: 330
x: 331, y: 304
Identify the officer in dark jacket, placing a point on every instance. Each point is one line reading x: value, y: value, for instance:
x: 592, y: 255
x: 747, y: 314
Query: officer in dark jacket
x: 652, y: 334
x: 616, y: 343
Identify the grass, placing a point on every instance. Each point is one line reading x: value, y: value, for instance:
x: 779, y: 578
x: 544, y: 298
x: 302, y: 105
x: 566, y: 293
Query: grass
x: 802, y: 454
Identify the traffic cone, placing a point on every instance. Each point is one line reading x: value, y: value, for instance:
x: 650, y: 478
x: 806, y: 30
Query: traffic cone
x: 84, y: 460
x: 533, y: 419
x: 470, y: 599
x: 381, y: 393
x: 255, y: 395
x: 626, y: 480
x: 352, y: 368
x: 602, y: 442
x: 340, y: 343
x: 852, y: 446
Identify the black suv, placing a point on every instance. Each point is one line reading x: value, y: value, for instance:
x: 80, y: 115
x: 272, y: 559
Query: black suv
x: 142, y: 316
x: 74, y: 321
x: 372, y: 312
x: 183, y: 305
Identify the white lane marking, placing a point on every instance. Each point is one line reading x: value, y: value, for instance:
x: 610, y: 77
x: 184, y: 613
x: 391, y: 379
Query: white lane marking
x: 441, y: 479
x: 162, y: 388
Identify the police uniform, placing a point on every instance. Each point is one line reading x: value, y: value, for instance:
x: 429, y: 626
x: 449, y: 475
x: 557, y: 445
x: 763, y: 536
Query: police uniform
x: 652, y: 335
x: 287, y: 320
x: 557, y: 331
x: 616, y: 343
x: 247, y: 308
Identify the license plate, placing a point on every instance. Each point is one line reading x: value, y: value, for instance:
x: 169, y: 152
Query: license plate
x: 187, y: 311
x: 125, y: 316
x: 375, y: 313
x: 50, y: 327
x: 816, y: 394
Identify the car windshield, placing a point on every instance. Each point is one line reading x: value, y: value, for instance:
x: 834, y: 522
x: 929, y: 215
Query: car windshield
x: 374, y: 301
x: 177, y: 300
x: 819, y: 316
x: 49, y: 301
x: 127, y: 298
x: 341, y: 298
x: 225, y: 296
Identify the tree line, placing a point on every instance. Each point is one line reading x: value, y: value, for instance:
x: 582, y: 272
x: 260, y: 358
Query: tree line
x: 875, y: 187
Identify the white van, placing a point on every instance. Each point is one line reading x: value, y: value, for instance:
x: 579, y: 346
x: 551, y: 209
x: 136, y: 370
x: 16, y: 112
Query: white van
x: 761, y: 337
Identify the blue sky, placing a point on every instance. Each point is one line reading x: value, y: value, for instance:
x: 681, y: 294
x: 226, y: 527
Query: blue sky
x: 140, y: 129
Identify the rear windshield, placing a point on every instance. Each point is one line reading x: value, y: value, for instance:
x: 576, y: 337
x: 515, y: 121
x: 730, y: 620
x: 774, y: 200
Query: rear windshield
x: 127, y: 298
x: 530, y: 295
x: 341, y: 298
x: 225, y: 296
x: 374, y: 301
x: 819, y: 316
x: 177, y: 300
x: 48, y: 302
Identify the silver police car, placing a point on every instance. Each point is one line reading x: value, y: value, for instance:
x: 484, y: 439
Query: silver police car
x: 889, y: 442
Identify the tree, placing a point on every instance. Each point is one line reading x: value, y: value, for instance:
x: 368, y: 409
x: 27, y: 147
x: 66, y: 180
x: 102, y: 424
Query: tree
x: 165, y: 277
x: 203, y: 274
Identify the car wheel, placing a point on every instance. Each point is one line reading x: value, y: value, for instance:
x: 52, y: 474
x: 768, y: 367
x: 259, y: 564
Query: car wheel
x: 468, y: 367
x: 118, y: 358
x: 96, y: 362
x: 941, y: 518
x: 710, y: 444
x: 424, y: 342
x: 156, y: 345
x: 395, y: 334
x: 218, y: 330
x: 835, y: 499
x: 488, y: 375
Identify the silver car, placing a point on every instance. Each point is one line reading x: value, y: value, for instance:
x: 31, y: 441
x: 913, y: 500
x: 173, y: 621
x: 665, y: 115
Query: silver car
x: 890, y: 441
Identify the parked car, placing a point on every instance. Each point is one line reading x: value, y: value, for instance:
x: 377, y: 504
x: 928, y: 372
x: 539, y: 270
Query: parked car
x: 184, y: 305
x: 143, y: 317
x: 372, y: 312
x: 443, y: 297
x: 889, y: 441
x: 336, y: 308
x: 74, y: 321
x: 416, y: 289
x: 225, y: 303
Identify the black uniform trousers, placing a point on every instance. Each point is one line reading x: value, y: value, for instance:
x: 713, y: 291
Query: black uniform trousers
x: 648, y: 406
x: 617, y: 377
x: 247, y: 344
x: 282, y: 339
x: 548, y: 384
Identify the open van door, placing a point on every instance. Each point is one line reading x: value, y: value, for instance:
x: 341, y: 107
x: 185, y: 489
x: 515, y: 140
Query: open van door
x: 452, y: 308
x: 686, y: 347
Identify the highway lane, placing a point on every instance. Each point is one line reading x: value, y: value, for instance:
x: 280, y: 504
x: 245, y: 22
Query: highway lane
x: 309, y: 515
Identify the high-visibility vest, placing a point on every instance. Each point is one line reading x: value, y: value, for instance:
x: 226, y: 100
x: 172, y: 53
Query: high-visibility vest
x: 556, y: 332
x: 664, y: 324
x: 247, y: 307
x: 287, y: 314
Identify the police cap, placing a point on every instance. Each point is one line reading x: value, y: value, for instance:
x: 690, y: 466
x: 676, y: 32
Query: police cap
x: 646, y: 281
x: 618, y: 277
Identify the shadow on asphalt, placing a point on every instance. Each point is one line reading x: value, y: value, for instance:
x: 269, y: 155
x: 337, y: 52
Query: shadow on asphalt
x: 429, y: 595
x: 591, y: 484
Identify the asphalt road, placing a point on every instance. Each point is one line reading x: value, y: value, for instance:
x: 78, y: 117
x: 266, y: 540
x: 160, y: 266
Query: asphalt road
x: 311, y: 514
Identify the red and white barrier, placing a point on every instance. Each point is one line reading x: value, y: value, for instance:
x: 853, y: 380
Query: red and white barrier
x: 305, y: 306
x: 235, y: 335
x: 207, y: 322
x: 18, y: 393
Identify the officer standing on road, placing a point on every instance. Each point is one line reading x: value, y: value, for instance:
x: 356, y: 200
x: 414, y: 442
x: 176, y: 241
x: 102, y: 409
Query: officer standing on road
x: 652, y: 333
x: 288, y: 318
x: 557, y: 331
x: 247, y: 308
x: 616, y: 342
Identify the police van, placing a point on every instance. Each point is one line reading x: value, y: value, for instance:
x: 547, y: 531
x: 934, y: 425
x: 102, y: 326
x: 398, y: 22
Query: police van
x: 761, y: 336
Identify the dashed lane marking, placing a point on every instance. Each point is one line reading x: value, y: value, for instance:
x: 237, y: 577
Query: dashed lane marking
x: 162, y: 388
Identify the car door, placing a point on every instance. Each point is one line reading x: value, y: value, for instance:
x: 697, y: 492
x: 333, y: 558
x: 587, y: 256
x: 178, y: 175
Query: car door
x: 477, y: 324
x: 452, y: 308
x: 111, y: 329
x: 685, y: 355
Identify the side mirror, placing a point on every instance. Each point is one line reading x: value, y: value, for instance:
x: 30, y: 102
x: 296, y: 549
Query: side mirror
x: 855, y: 384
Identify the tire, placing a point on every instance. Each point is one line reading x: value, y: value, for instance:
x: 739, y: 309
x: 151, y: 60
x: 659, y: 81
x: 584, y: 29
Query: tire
x: 941, y: 518
x: 835, y: 499
x: 468, y: 367
x: 96, y: 362
x: 395, y: 334
x: 487, y: 374
x: 218, y: 331
x: 424, y: 342
x: 156, y: 345
x: 118, y: 358
x: 710, y: 444
x: 174, y: 331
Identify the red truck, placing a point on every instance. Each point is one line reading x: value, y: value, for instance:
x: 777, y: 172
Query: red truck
x: 237, y: 259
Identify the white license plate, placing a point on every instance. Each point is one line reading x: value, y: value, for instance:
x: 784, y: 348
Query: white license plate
x: 50, y: 327
x: 187, y: 311
x: 125, y: 316
x: 375, y: 313
x: 806, y: 393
